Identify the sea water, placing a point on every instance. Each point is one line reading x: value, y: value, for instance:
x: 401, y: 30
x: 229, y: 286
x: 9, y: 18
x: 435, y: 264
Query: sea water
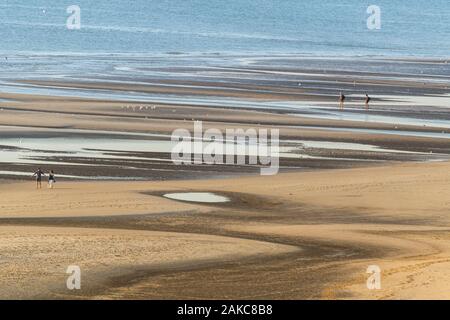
x: 317, y: 27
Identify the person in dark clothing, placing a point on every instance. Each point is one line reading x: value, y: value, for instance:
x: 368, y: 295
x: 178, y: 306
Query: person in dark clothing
x: 341, y: 101
x: 38, y: 174
x: 51, y: 179
x: 367, y: 101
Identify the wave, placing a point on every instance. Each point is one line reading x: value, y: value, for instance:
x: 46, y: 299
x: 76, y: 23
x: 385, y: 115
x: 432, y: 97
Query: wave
x: 130, y: 29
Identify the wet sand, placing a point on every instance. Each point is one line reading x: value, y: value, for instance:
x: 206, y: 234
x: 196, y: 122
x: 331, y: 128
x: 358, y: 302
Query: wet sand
x: 356, y: 187
x: 31, y: 120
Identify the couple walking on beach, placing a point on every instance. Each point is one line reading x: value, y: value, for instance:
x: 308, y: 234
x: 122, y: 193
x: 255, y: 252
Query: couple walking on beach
x: 39, y: 174
x: 342, y: 99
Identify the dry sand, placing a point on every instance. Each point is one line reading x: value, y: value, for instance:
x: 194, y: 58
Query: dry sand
x: 35, y: 259
x: 298, y: 235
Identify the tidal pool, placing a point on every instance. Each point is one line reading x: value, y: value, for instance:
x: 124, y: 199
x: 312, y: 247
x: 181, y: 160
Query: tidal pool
x: 207, y: 197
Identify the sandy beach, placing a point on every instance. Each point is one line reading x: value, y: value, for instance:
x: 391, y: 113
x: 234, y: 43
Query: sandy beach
x: 356, y: 188
x: 305, y: 235
x: 301, y: 236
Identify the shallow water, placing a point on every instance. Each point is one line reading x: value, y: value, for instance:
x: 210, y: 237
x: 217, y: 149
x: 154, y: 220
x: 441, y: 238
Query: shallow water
x: 423, y: 134
x: 367, y: 117
x: 66, y: 176
x: 105, y: 149
x: 100, y: 149
x: 82, y: 144
x: 206, y: 197
x: 348, y: 146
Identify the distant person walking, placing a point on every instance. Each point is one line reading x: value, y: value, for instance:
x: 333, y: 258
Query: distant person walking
x: 38, y: 174
x: 367, y: 101
x: 341, y: 101
x: 51, y: 179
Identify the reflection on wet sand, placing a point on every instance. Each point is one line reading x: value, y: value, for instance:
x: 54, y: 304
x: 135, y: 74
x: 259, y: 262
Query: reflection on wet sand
x: 139, y: 152
x: 205, y: 197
